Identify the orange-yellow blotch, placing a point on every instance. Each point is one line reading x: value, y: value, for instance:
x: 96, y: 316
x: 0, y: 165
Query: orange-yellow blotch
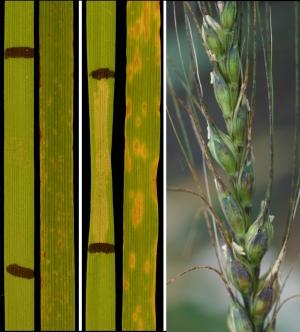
x: 131, y: 260
x: 137, y: 213
x: 135, y: 66
x: 134, y: 316
x: 126, y: 285
x: 139, y: 149
x: 157, y: 50
x: 144, y: 108
x: 128, y: 161
x: 140, y: 325
x: 140, y: 29
x: 138, y: 309
x: 138, y: 121
x: 147, y: 267
x: 128, y: 107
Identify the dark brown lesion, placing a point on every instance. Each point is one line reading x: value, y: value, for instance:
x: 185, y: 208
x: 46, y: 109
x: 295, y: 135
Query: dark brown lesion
x: 101, y: 73
x: 20, y: 271
x: 106, y: 248
x: 19, y: 52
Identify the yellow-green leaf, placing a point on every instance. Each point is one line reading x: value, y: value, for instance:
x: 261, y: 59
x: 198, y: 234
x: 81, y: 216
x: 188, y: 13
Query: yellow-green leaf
x: 56, y: 166
x: 100, y: 293
x: 19, y: 165
x: 142, y: 142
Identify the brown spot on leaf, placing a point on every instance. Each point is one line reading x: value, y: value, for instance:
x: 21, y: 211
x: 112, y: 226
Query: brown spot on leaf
x: 101, y: 73
x: 106, y: 248
x: 20, y: 271
x: 19, y: 52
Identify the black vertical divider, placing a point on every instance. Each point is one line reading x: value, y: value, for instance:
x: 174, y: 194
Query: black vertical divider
x: 160, y: 181
x: 86, y: 162
x: 75, y: 155
x: 37, y: 278
x: 2, y: 316
x: 118, y: 145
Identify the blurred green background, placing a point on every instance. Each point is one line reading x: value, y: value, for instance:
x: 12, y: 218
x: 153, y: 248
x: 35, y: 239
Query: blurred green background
x: 198, y: 302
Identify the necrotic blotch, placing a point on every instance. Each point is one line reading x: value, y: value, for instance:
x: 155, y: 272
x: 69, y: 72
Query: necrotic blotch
x: 106, y: 248
x: 101, y: 73
x: 19, y: 52
x: 20, y: 271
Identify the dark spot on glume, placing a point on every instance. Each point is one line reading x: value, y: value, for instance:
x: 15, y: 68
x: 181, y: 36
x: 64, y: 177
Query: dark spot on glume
x: 19, y: 52
x: 20, y: 271
x: 101, y: 73
x: 106, y: 248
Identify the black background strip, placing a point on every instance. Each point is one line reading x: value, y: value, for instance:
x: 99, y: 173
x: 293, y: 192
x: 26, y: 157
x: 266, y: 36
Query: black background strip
x: 2, y: 316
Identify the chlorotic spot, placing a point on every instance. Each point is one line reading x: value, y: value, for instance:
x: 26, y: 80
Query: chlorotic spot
x: 138, y: 121
x: 144, y: 109
x: 128, y: 161
x: 131, y: 260
x: 134, y: 316
x: 140, y: 149
x: 140, y: 325
x: 137, y: 213
x: 138, y: 309
x: 135, y: 66
x: 147, y: 267
x: 128, y: 107
x: 126, y: 285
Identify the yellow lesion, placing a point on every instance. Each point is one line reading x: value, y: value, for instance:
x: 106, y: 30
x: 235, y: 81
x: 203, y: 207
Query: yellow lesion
x: 147, y: 266
x: 101, y: 162
x: 144, y: 109
x: 128, y: 161
x: 138, y: 121
x: 132, y: 260
x: 136, y: 318
x: 135, y: 65
x: 137, y: 212
x: 128, y: 107
x: 140, y: 28
x: 139, y: 149
x: 126, y: 285
x: 140, y: 325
